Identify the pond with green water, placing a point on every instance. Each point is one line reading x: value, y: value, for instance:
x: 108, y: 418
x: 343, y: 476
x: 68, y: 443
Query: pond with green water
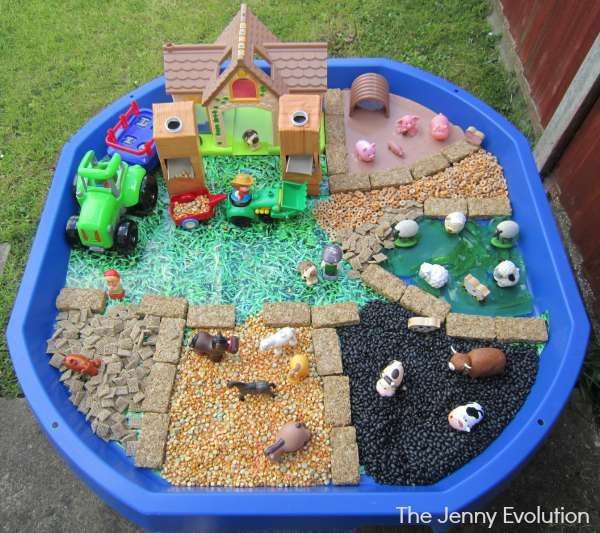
x: 470, y: 252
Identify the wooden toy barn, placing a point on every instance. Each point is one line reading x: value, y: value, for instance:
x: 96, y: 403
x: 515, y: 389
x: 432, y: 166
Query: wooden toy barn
x: 234, y: 96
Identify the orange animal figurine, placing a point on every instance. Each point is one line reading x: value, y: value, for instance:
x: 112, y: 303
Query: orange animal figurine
x: 478, y: 363
x: 82, y: 364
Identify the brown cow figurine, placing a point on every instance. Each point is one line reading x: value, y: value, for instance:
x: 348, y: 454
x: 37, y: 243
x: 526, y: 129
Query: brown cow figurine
x: 82, y: 364
x: 214, y: 346
x: 291, y: 437
x: 478, y: 363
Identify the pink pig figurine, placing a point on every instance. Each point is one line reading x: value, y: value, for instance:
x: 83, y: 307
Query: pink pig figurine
x: 407, y: 125
x: 439, y: 127
x: 365, y: 151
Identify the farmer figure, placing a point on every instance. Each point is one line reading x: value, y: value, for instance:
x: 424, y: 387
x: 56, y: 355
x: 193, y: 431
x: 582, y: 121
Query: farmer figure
x: 113, y: 283
x: 241, y: 196
x: 332, y: 255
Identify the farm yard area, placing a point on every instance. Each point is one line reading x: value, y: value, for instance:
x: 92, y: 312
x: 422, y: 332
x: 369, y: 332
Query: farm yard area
x: 271, y: 271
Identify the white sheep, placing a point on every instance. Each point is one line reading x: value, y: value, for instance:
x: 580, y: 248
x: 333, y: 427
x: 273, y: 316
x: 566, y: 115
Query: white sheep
x: 435, y: 275
x: 279, y: 339
x: 506, y: 274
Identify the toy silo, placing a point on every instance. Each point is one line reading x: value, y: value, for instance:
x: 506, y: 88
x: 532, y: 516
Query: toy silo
x: 299, y: 131
x: 178, y: 146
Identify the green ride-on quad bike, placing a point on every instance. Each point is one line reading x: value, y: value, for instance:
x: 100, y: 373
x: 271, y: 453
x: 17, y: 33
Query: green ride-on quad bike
x: 105, y: 191
x: 279, y: 202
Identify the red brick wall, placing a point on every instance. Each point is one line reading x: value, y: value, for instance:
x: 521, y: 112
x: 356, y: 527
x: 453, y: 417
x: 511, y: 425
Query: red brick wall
x: 552, y: 39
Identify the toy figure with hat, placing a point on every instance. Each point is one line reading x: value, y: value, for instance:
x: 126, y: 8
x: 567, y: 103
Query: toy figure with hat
x: 115, y: 290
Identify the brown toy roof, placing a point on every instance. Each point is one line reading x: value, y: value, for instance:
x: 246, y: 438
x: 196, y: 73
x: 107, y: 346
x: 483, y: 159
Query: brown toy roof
x: 295, y: 67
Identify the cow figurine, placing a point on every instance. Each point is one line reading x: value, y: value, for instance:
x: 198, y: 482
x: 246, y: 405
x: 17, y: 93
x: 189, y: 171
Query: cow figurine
x: 390, y: 379
x: 279, y: 339
x: 82, y: 364
x: 214, y: 346
x: 478, y: 363
x: 464, y: 417
x: 291, y: 437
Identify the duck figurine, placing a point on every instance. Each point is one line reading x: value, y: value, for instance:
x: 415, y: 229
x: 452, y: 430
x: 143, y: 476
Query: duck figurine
x: 298, y: 368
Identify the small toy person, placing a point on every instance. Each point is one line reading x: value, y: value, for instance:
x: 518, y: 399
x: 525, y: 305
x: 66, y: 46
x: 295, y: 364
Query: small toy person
x: 332, y: 255
x: 241, y: 196
x: 113, y: 283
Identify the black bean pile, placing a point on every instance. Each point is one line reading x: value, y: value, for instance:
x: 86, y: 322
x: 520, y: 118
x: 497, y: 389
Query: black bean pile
x: 406, y: 439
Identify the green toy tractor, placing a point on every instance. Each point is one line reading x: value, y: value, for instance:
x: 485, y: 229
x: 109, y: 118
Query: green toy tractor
x: 105, y: 191
x: 279, y: 202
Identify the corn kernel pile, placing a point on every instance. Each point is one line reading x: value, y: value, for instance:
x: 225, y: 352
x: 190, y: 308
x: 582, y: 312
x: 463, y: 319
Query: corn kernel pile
x: 216, y: 440
x: 196, y: 207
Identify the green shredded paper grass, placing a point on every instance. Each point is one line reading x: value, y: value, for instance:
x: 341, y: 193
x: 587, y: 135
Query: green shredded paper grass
x: 219, y: 262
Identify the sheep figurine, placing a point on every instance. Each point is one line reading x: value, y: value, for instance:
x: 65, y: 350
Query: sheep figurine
x: 436, y: 276
x: 406, y: 233
x: 390, y: 379
x: 506, y: 234
x: 506, y: 274
x: 455, y: 222
x: 279, y: 339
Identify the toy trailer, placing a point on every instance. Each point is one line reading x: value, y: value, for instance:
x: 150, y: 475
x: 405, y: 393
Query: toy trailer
x: 189, y: 209
x: 131, y: 137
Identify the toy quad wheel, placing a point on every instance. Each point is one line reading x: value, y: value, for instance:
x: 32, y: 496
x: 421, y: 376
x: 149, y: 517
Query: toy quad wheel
x: 240, y: 222
x: 126, y: 236
x: 71, y: 232
x: 148, y: 197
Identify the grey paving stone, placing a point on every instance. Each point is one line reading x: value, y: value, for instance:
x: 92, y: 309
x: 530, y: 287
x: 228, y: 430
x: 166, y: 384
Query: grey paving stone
x: 327, y: 351
x: 4, y: 251
x: 211, y: 316
x: 334, y: 315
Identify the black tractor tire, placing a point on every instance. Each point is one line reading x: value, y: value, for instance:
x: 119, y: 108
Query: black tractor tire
x: 71, y: 233
x: 126, y: 237
x: 266, y: 218
x: 148, y: 197
x: 74, y: 188
x: 240, y: 222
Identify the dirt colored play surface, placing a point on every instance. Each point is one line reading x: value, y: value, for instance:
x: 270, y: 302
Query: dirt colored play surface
x: 373, y: 126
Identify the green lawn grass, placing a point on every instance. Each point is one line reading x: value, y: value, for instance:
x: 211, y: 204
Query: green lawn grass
x: 62, y: 62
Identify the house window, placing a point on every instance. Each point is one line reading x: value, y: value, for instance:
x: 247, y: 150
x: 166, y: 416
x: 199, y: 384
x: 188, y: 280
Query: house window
x: 243, y: 89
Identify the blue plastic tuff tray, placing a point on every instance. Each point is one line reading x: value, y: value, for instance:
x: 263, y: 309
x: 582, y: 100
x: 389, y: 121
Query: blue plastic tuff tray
x: 151, y: 502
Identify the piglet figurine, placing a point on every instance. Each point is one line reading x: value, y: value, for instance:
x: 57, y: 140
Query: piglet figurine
x: 407, y: 125
x: 464, y: 417
x: 439, y: 127
x: 478, y: 363
x: 365, y: 151
x: 82, y: 364
x: 474, y: 136
x: 395, y: 149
